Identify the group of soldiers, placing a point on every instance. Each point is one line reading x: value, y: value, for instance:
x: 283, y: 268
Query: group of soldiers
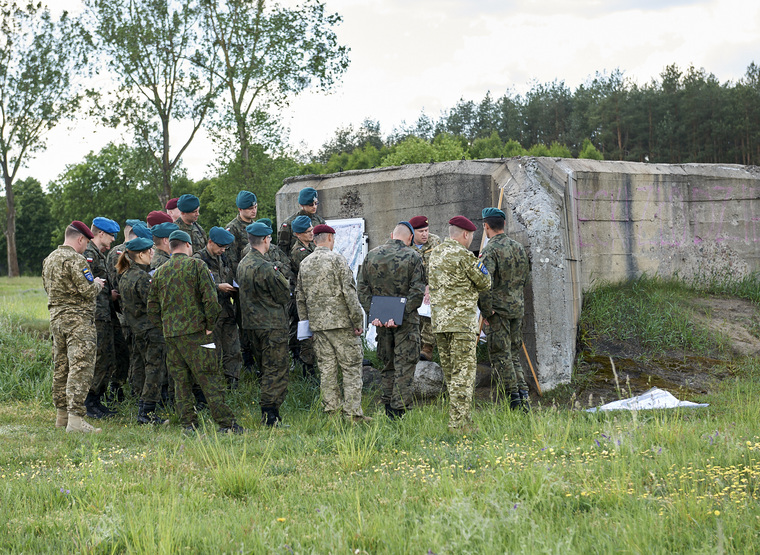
x: 175, y: 313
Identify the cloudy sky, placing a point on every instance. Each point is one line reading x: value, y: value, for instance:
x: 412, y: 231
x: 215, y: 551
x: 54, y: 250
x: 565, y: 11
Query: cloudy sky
x: 413, y: 55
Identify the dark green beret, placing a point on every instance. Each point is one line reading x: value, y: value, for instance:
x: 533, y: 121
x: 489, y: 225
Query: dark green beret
x: 220, y: 236
x: 301, y: 224
x: 141, y: 230
x: 245, y: 199
x: 139, y: 244
x: 164, y: 230
x: 491, y: 212
x: 307, y: 195
x: 180, y: 235
x: 133, y: 223
x: 258, y: 229
x: 188, y: 203
x: 265, y: 221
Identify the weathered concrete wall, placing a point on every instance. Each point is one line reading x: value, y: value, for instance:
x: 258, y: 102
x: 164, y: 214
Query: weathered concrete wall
x: 582, y: 222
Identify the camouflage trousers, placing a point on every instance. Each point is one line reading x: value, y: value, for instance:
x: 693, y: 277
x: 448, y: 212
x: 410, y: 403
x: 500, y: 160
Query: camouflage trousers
x: 399, y: 349
x: 457, y: 352
x: 270, y: 347
x: 189, y: 362
x: 504, y: 337
x: 227, y: 341
x: 148, y: 365
x: 122, y: 350
x: 305, y: 346
x: 340, y: 348
x: 105, y: 361
x: 427, y: 337
x: 74, y: 351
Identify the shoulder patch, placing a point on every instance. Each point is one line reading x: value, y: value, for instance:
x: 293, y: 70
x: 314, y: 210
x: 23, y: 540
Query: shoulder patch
x: 284, y: 225
x: 88, y: 274
x: 482, y: 267
x: 89, y: 259
x: 302, y: 249
x: 119, y: 252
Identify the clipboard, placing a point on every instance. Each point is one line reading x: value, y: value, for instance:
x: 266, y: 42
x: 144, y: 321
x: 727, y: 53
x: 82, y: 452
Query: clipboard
x: 387, y: 308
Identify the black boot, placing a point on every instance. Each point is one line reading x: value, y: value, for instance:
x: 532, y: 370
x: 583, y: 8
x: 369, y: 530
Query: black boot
x: 104, y: 409
x: 524, y: 400
x: 394, y: 414
x: 268, y: 416
x: 91, y: 406
x: 514, y: 400
x: 142, y: 415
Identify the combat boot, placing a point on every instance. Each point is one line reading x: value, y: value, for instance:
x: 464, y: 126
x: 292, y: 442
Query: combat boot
x: 394, y: 414
x: 102, y: 408
x: 91, y: 406
x: 524, y: 400
x: 268, y: 416
x: 426, y: 353
x: 61, y: 418
x: 146, y: 414
x: 234, y: 428
x: 78, y: 424
x: 514, y: 400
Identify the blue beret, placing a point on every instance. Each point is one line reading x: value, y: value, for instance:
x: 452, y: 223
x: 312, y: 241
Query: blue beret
x: 180, y: 236
x: 133, y: 223
x: 104, y: 224
x: 301, y: 224
x: 188, y: 203
x: 265, y: 221
x: 491, y: 212
x: 245, y: 199
x: 258, y: 229
x: 141, y: 230
x: 307, y: 196
x: 164, y: 230
x: 139, y: 244
x: 220, y: 236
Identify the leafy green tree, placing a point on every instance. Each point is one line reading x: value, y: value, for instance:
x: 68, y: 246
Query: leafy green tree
x: 414, y: 150
x: 35, y: 227
x: 39, y: 59
x: 513, y: 148
x: 538, y: 150
x: 589, y: 151
x: 347, y: 140
x: 558, y: 150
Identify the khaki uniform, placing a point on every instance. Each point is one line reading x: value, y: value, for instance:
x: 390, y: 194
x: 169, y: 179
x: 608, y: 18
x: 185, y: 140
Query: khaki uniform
x: 71, y: 291
x: 426, y: 326
x: 326, y: 296
x: 456, y: 277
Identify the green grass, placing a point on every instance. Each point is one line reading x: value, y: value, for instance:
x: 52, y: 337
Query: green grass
x: 554, y: 481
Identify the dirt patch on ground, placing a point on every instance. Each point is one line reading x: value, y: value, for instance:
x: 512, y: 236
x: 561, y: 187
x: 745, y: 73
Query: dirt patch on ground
x: 737, y: 319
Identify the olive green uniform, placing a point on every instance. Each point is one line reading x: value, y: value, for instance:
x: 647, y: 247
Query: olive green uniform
x: 285, y: 237
x: 196, y: 232
x: 298, y: 254
x: 105, y: 360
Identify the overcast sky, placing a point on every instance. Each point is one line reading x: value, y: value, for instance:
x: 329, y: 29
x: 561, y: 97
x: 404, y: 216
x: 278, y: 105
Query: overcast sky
x: 410, y: 55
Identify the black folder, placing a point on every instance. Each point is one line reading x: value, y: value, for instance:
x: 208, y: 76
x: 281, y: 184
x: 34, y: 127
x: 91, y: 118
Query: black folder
x: 387, y: 308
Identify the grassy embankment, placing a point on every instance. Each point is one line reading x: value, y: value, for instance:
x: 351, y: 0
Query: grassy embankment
x: 552, y: 481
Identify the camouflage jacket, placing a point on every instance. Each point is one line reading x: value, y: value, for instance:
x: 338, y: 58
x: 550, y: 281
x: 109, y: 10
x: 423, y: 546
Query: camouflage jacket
x: 235, y: 251
x: 508, y: 264
x: 264, y: 293
x: 326, y: 292
x: 69, y: 284
x: 278, y: 258
x: 196, y: 232
x: 159, y: 259
x: 285, y: 237
x: 297, y: 255
x: 135, y: 288
x: 456, y: 277
x: 97, y: 262
x: 111, y: 258
x: 425, y: 250
x: 221, y: 271
x: 182, y: 298
x: 393, y: 270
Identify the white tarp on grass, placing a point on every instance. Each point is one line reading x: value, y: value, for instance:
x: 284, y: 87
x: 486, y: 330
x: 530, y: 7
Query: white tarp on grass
x: 655, y: 398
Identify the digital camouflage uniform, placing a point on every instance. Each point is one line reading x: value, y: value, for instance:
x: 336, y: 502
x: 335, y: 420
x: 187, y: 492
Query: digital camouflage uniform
x: 504, y: 306
x: 305, y: 347
x: 395, y: 270
x: 264, y: 297
x: 105, y: 360
x: 456, y: 277
x: 235, y: 251
x: 226, y: 335
x: 122, y: 338
x: 426, y: 327
x: 183, y: 302
x: 196, y: 232
x: 326, y: 296
x: 71, y: 291
x: 159, y: 258
x: 285, y: 237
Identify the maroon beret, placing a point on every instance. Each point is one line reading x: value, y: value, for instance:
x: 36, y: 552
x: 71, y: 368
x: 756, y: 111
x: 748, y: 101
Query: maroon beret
x: 462, y: 222
x: 82, y: 228
x: 155, y: 217
x: 323, y: 228
x: 419, y: 222
x: 172, y: 204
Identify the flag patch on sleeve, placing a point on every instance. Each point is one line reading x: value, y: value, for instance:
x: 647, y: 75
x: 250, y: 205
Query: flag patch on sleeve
x: 87, y: 274
x: 482, y: 267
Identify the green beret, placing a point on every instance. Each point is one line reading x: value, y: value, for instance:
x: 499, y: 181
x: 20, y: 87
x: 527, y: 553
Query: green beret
x: 245, y: 199
x: 164, y: 230
x: 258, y: 229
x: 491, y: 212
x: 307, y: 195
x: 133, y: 223
x: 301, y: 224
x: 139, y: 244
x: 141, y: 230
x: 266, y: 221
x: 180, y: 235
x: 220, y: 236
x: 188, y: 203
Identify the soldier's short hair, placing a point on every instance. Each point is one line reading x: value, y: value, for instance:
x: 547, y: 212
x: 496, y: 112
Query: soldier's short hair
x: 256, y: 240
x: 321, y: 238
x: 495, y: 222
x: 174, y: 243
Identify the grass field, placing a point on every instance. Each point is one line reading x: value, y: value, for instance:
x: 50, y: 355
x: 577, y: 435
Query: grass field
x: 554, y: 481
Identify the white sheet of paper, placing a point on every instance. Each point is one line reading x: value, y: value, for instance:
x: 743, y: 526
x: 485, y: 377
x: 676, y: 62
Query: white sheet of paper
x: 209, y: 346
x: 304, y: 331
x: 424, y: 310
x: 234, y: 284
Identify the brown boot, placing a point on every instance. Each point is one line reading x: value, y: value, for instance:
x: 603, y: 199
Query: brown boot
x: 78, y: 424
x: 426, y: 353
x: 61, y: 418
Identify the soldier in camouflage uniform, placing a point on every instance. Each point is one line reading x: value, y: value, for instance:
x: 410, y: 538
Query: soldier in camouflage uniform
x: 503, y: 305
x: 327, y: 298
x: 161, y: 247
x: 182, y: 300
x: 456, y: 277
x: 189, y: 208
x: 425, y: 242
x: 264, y: 296
x: 303, y: 351
x: 247, y: 206
x: 395, y: 270
x: 104, y: 232
x: 307, y: 199
x: 147, y: 340
x: 71, y: 290
x: 226, y: 335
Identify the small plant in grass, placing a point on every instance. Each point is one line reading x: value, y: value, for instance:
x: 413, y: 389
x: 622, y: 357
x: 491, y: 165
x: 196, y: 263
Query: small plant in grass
x: 355, y: 446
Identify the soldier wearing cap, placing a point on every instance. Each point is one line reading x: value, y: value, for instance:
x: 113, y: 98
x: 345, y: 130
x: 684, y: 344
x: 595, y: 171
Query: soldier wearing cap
x: 456, y: 277
x: 425, y: 242
x: 156, y: 217
x: 264, y: 296
x: 104, y: 233
x: 247, y: 206
x: 183, y: 301
x: 171, y: 208
x: 303, y: 351
x: 189, y: 208
x: 395, y: 270
x: 326, y: 296
x: 226, y: 337
x: 161, y: 247
x: 71, y: 290
x: 307, y: 200
x: 503, y: 305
